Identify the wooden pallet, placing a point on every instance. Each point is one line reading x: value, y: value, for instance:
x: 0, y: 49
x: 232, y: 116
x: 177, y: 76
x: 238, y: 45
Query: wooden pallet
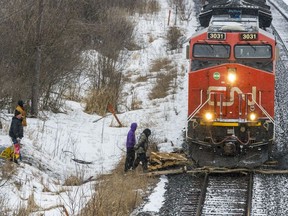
x: 163, y: 160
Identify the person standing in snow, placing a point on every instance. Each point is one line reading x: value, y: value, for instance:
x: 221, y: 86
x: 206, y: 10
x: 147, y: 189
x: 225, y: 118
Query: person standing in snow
x: 16, y: 134
x: 130, y: 143
x: 16, y: 128
x: 141, y: 148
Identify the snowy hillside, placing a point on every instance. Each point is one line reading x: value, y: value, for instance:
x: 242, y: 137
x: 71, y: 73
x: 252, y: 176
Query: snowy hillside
x: 52, y: 141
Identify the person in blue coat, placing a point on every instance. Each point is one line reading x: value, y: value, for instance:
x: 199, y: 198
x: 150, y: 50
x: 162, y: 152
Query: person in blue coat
x: 130, y: 143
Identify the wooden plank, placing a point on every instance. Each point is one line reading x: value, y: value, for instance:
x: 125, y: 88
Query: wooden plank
x: 165, y: 165
x: 155, y: 160
x: 168, y: 156
x: 166, y: 172
x: 164, y: 160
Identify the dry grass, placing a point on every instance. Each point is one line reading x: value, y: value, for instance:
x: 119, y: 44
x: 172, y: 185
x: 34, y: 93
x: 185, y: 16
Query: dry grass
x: 148, y: 7
x: 7, y: 170
x: 151, y: 38
x: 73, y: 181
x: 141, y: 79
x: 153, y: 6
x: 166, y: 73
x: 173, y: 36
x: 27, y: 210
x: 97, y: 100
x: 32, y: 206
x: 161, y: 64
x: 136, y: 103
x: 147, y: 122
x: 163, y: 84
x: 118, y: 193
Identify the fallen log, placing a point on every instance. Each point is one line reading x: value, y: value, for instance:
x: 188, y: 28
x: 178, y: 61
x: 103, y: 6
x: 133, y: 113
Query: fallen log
x: 216, y: 170
x: 237, y: 170
x: 166, y: 172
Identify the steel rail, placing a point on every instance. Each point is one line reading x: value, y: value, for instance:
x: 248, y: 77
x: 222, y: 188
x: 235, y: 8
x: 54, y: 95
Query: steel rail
x: 249, y: 195
x: 202, y: 195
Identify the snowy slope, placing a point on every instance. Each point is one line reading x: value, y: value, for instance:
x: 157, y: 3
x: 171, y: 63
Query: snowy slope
x: 53, y: 140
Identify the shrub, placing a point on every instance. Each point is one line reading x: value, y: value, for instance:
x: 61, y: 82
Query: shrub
x: 173, y: 35
x: 141, y: 79
x: 161, y: 64
x: 97, y: 100
x: 147, y: 6
x: 160, y: 89
x: 166, y: 72
x: 136, y: 103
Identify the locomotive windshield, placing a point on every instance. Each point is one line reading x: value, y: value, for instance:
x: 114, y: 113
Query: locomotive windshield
x: 253, y: 51
x: 211, y: 51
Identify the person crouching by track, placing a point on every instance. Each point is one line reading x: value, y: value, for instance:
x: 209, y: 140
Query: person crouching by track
x: 130, y: 143
x: 141, y: 148
x: 16, y: 133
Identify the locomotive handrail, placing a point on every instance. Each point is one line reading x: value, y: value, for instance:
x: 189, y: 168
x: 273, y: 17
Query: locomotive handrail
x: 199, y: 106
x: 189, y: 117
x: 262, y: 109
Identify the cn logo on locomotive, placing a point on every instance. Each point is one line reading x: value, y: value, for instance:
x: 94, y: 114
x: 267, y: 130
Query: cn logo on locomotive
x: 233, y: 90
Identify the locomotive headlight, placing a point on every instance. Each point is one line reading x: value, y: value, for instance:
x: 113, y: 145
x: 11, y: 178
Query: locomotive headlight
x: 252, y: 116
x: 208, y: 116
x: 231, y: 75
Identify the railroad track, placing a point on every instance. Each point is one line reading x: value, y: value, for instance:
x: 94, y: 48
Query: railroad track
x: 225, y: 194
x: 194, y: 197
x: 280, y: 17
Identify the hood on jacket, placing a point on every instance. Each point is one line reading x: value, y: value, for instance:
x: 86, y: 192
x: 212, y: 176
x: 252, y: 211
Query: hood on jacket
x: 133, y: 126
x: 21, y: 103
x: 147, y: 132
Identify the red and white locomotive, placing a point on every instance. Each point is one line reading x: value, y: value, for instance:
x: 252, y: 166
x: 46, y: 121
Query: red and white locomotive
x: 231, y: 85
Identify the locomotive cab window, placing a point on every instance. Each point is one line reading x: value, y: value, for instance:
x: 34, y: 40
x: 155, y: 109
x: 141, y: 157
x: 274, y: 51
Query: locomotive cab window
x: 253, y: 51
x: 211, y: 51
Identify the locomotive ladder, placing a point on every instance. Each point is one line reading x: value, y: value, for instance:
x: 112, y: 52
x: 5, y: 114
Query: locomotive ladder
x: 262, y: 109
x: 200, y: 106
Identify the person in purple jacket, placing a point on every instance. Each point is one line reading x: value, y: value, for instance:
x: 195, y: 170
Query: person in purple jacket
x: 130, y: 153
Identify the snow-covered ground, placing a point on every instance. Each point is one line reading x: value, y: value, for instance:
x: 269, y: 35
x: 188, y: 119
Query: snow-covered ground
x: 53, y: 140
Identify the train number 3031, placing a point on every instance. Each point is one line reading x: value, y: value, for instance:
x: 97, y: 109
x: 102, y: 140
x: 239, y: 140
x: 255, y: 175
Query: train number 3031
x: 249, y: 36
x: 216, y: 36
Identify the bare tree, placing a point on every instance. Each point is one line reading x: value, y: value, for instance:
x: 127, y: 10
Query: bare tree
x: 184, y: 8
x: 59, y: 40
x: 114, y: 34
x: 66, y: 30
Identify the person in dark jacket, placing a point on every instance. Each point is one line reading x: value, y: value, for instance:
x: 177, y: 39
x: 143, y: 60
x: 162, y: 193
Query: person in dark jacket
x: 130, y: 143
x: 141, y: 148
x: 16, y: 128
x: 16, y: 134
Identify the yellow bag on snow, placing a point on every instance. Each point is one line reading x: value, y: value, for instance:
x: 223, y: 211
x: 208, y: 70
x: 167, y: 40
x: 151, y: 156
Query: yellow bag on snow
x: 9, y: 153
